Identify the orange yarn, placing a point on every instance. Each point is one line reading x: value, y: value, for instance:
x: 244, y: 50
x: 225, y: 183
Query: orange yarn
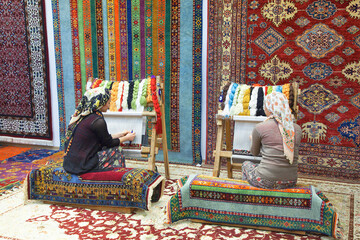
x: 148, y: 98
x: 286, y: 90
x: 114, y: 93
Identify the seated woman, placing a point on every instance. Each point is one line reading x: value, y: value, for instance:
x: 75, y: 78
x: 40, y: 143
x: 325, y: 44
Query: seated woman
x: 277, y: 139
x: 88, y: 145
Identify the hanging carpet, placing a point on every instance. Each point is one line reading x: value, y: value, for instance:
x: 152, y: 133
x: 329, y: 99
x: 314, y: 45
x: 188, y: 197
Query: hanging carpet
x: 314, y: 43
x: 24, y: 79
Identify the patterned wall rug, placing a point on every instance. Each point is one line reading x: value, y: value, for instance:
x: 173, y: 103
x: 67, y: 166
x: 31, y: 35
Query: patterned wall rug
x: 44, y: 221
x: 24, y: 79
x: 130, y: 40
x: 315, y: 43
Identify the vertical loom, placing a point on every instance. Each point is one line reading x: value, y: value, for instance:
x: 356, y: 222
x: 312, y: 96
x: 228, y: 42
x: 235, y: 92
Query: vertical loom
x: 243, y: 126
x: 136, y: 121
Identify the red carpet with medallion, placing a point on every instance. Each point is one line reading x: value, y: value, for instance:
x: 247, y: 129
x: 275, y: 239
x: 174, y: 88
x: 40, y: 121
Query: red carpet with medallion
x: 314, y: 43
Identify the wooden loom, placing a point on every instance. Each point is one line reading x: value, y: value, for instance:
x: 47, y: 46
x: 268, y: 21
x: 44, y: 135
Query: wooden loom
x: 115, y: 122
x: 244, y: 126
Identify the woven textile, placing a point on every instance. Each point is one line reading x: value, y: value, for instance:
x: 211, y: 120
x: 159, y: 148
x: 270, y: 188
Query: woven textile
x: 138, y: 42
x: 123, y: 187
x: 6, y: 152
x: 24, y: 79
x: 14, y: 169
x: 130, y: 40
x: 43, y: 221
x: 218, y: 200
x: 315, y: 43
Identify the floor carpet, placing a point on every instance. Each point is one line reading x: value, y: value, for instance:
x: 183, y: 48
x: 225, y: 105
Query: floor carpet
x: 10, y: 151
x: 18, y: 163
x: 43, y: 221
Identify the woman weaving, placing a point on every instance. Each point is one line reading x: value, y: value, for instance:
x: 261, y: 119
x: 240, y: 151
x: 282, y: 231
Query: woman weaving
x: 88, y: 145
x: 277, y: 139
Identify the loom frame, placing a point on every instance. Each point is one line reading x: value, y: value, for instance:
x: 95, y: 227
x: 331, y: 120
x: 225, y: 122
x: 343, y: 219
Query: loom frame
x: 224, y: 124
x: 152, y: 150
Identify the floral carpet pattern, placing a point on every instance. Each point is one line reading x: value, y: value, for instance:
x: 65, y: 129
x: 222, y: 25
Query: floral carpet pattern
x: 44, y: 221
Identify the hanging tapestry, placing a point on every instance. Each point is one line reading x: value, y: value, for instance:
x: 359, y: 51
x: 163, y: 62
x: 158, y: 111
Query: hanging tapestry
x: 24, y: 79
x: 315, y: 43
x: 125, y: 40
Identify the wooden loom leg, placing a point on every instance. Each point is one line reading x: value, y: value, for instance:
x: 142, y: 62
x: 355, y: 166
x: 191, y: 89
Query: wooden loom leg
x: 163, y: 136
x: 165, y: 148
x: 228, y: 147
x: 151, y: 161
x: 229, y: 168
x: 219, y: 143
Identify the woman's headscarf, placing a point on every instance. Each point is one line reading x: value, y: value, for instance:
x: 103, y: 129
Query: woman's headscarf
x: 278, y: 106
x: 92, y: 101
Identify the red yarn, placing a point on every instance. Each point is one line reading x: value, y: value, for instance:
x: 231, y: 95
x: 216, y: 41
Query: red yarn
x: 96, y: 83
x: 121, y: 98
x: 155, y: 100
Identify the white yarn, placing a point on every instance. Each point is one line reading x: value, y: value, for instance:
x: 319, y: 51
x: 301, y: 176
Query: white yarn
x: 125, y: 96
x: 253, y: 101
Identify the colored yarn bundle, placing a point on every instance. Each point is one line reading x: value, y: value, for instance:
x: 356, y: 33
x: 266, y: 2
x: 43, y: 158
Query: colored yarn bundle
x: 135, y: 94
x: 124, y: 103
x: 247, y: 100
x: 129, y: 96
x: 113, y: 97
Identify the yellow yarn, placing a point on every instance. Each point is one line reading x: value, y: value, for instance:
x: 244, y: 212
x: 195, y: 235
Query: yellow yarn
x: 246, y: 101
x: 286, y: 90
x: 114, y: 93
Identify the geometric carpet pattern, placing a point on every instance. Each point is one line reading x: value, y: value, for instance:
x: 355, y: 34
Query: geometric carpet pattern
x: 314, y: 43
x: 24, y: 77
x: 132, y: 40
x: 14, y: 169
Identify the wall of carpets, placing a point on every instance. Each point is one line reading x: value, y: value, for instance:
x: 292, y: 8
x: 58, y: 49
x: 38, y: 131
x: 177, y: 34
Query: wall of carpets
x: 24, y: 80
x: 315, y: 43
x: 127, y: 40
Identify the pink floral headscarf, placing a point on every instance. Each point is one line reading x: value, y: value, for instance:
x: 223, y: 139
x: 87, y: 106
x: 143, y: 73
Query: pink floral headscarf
x: 278, y: 106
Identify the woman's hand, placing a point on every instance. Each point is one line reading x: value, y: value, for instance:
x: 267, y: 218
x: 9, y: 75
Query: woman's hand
x: 120, y: 134
x: 128, y: 137
x: 124, y: 133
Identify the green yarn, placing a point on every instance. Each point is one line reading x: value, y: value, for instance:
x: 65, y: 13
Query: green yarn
x: 103, y: 82
x: 135, y: 94
x: 143, y: 100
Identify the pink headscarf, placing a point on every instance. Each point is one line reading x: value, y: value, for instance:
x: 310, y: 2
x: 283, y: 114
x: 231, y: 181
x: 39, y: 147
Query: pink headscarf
x: 278, y: 106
